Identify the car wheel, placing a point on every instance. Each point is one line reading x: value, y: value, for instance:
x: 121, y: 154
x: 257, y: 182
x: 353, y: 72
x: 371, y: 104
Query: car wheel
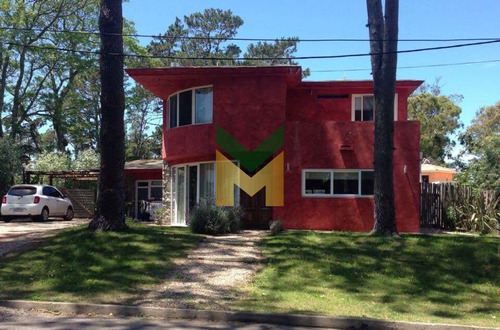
x: 69, y: 214
x: 6, y: 219
x: 44, y: 216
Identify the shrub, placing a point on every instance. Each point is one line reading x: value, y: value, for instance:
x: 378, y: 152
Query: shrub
x: 160, y: 214
x: 276, y: 227
x: 208, y: 218
x: 475, y: 213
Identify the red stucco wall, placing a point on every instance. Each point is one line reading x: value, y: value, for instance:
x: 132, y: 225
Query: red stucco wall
x: 252, y: 103
x: 317, y: 146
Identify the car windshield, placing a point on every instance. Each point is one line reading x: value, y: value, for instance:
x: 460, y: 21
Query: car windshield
x: 22, y: 191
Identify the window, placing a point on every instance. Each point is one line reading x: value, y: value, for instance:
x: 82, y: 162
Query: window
x: 318, y: 183
x: 345, y: 183
x: 331, y: 183
x: 363, y: 107
x: 191, y: 183
x: 207, y: 181
x: 156, y: 190
x: 173, y: 110
x: 185, y: 108
x: 55, y: 193
x: 367, y: 183
x: 22, y: 191
x: 194, y: 106
x: 203, y: 105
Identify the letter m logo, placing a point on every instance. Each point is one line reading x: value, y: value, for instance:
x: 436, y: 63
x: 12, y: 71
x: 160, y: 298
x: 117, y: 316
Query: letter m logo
x: 228, y: 174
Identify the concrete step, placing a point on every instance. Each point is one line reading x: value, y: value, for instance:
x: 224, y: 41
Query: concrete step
x: 247, y: 260
x: 236, y: 242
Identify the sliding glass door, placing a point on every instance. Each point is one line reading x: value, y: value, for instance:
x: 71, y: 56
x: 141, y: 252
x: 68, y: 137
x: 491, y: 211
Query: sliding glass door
x: 190, y: 184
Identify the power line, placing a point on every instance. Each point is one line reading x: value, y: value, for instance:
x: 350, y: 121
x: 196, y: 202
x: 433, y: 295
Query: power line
x: 415, y: 66
x: 88, y: 32
x: 253, y: 58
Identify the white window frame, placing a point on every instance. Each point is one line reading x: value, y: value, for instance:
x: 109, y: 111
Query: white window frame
x: 186, y: 171
x: 353, y: 106
x: 332, y: 176
x: 319, y: 170
x: 193, y: 106
x: 150, y: 185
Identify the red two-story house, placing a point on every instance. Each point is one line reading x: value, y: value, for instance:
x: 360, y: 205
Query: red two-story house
x: 328, y: 143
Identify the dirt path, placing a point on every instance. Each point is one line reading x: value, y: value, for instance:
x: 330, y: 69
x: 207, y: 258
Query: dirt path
x: 15, y: 234
x: 212, y: 276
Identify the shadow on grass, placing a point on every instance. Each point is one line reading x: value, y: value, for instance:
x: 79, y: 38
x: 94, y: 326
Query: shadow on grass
x: 95, y: 267
x: 449, y: 277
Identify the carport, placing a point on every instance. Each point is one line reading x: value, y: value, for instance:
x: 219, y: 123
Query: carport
x: 84, y: 200
x: 143, y: 182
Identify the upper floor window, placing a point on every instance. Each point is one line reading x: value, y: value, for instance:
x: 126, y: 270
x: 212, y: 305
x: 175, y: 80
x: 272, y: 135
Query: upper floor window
x: 363, y: 107
x: 194, y: 106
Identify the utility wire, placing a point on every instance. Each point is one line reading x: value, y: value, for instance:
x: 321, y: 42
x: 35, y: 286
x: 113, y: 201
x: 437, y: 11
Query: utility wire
x: 253, y: 58
x: 416, y: 66
x: 244, y: 39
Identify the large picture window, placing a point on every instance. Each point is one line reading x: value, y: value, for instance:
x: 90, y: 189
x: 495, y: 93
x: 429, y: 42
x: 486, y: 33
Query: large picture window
x: 363, y: 107
x: 332, y: 183
x: 194, y: 106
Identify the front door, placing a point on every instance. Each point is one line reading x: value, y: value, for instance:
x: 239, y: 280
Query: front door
x: 142, y: 196
x: 256, y: 214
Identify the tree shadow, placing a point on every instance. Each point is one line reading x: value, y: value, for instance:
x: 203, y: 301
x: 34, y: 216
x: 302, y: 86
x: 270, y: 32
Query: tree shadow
x: 432, y: 276
x: 94, y: 267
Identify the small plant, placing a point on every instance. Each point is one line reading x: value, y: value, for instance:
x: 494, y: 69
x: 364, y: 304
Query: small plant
x: 160, y: 214
x: 475, y: 213
x: 208, y: 218
x: 276, y: 227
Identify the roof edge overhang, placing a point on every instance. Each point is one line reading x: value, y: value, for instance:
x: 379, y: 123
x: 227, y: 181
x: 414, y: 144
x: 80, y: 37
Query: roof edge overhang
x: 217, y: 70
x: 410, y: 85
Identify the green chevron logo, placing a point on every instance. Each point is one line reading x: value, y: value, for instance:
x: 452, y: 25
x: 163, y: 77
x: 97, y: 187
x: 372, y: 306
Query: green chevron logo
x: 250, y: 160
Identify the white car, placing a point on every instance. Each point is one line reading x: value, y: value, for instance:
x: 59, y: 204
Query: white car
x: 35, y: 201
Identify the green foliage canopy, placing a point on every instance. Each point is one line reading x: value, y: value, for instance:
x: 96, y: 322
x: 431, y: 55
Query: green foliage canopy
x: 482, y: 142
x: 439, y: 118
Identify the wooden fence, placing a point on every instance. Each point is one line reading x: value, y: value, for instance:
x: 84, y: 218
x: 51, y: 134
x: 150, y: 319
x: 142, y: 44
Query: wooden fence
x: 83, y: 201
x: 435, y: 199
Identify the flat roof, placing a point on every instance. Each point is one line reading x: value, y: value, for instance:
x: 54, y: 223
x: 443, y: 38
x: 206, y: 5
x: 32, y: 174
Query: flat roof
x: 144, y: 164
x: 164, y: 81
x: 436, y: 168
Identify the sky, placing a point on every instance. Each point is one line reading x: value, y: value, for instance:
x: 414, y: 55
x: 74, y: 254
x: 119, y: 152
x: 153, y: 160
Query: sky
x: 319, y: 19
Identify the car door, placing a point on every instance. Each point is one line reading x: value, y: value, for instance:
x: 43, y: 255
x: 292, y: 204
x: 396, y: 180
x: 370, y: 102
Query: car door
x: 48, y: 200
x: 60, y: 204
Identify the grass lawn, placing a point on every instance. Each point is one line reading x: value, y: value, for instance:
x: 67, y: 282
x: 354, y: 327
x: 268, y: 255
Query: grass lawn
x: 78, y: 265
x: 445, y: 279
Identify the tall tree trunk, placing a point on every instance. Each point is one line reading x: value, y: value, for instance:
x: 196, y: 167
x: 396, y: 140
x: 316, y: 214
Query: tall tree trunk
x: 383, y: 46
x: 111, y: 202
x: 4, y: 63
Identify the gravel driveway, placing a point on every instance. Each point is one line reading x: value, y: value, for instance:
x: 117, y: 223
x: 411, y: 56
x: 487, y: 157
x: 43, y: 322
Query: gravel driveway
x: 19, y: 232
x: 212, y: 276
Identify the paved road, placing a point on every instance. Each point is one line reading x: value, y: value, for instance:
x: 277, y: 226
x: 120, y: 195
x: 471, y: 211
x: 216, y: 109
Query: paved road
x: 15, y: 319
x: 21, y: 231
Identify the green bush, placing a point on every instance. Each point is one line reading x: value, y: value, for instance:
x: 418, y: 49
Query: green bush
x: 210, y: 219
x: 474, y: 213
x: 276, y: 227
x: 160, y: 214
